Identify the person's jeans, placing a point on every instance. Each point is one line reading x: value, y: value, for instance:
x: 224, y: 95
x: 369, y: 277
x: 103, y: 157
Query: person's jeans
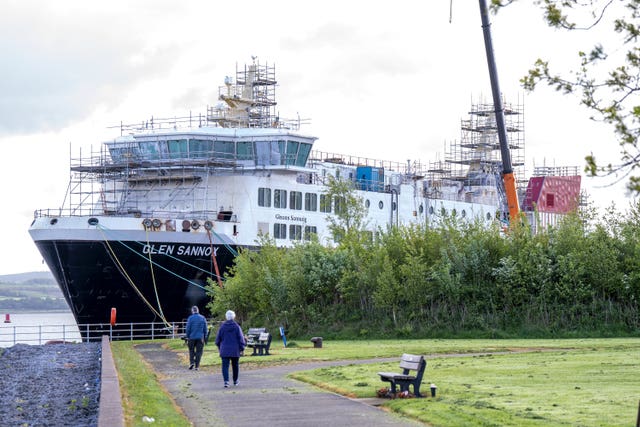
x: 195, y: 351
x: 234, y: 366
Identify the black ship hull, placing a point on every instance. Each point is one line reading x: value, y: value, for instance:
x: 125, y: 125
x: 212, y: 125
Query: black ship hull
x: 144, y: 282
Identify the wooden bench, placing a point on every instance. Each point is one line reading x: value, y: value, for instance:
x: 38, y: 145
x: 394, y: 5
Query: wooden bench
x: 408, y: 363
x: 260, y: 340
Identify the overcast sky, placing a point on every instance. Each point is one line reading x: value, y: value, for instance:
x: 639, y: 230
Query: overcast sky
x: 387, y: 80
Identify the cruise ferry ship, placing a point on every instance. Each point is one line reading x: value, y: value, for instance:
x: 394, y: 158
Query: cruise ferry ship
x: 165, y: 205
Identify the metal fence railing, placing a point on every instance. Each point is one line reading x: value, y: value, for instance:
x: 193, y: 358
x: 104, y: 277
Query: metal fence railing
x: 43, y: 334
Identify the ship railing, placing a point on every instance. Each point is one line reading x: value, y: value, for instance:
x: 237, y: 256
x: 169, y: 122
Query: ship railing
x: 409, y: 168
x: 72, y: 333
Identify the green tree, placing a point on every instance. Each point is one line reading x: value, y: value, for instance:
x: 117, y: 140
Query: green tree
x: 607, y: 77
x: 349, y: 210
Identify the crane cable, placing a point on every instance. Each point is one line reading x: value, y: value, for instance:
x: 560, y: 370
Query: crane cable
x: 135, y: 288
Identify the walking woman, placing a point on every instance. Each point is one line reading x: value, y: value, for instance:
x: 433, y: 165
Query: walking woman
x: 230, y: 341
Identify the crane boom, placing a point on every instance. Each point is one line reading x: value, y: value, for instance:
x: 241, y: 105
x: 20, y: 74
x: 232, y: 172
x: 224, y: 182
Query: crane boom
x: 508, y: 177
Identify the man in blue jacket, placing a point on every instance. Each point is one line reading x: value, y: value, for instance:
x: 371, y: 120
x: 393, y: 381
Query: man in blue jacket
x: 196, y: 333
x: 230, y: 342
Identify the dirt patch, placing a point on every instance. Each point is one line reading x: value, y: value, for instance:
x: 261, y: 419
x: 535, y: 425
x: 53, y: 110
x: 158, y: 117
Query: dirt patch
x: 50, y: 385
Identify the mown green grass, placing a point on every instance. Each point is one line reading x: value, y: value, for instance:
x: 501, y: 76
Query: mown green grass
x: 564, y: 382
x: 592, y: 383
x: 142, y: 393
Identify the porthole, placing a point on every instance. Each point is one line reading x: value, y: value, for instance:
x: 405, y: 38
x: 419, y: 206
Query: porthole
x: 186, y: 225
x: 394, y: 206
x: 380, y: 204
x: 156, y: 223
x: 367, y: 203
x: 208, y: 225
x: 488, y: 216
x: 431, y: 210
x: 93, y: 221
x: 463, y: 213
x: 53, y: 221
x: 146, y: 223
x: 421, y: 209
x: 195, y: 224
x: 454, y: 212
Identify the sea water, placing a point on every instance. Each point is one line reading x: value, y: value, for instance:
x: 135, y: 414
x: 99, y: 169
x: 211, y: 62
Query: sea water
x: 38, y: 328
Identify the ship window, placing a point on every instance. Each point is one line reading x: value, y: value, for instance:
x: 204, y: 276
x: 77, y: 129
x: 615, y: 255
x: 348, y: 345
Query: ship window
x: 280, y: 199
x: 295, y: 232
x: 295, y: 200
x: 245, y: 151
x: 279, y: 231
x: 292, y: 152
x: 303, y: 153
x: 264, y: 197
x: 177, y: 148
x: 267, y: 153
x: 463, y: 213
x: 394, y: 206
x: 488, y: 216
x: 325, y: 203
x: 340, y: 205
x: 282, y: 149
x: 421, y: 209
x: 430, y: 210
x: 223, y: 149
x: 310, y: 202
x: 200, y: 148
x: 367, y: 203
x: 380, y: 204
x: 309, y: 230
x: 150, y: 150
x: 454, y: 212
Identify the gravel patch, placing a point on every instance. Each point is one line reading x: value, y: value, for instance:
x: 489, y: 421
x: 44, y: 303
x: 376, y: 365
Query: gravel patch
x: 50, y: 385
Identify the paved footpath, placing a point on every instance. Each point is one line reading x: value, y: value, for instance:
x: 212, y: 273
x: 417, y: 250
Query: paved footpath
x: 265, y: 397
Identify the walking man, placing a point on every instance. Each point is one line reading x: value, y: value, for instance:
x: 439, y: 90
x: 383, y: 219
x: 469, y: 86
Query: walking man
x: 196, y: 333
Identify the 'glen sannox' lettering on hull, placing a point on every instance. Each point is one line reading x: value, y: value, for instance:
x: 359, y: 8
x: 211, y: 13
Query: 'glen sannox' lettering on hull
x: 179, y: 250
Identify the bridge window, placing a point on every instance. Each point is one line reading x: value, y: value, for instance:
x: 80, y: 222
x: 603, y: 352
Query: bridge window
x: 224, y: 149
x: 200, y: 148
x: 178, y: 148
x: 245, y: 151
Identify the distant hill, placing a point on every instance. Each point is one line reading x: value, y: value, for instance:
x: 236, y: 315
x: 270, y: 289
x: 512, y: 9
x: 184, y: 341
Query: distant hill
x: 24, y: 277
x: 33, y: 291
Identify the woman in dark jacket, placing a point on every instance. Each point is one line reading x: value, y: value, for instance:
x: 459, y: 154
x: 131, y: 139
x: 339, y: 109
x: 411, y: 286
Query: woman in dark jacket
x: 230, y: 342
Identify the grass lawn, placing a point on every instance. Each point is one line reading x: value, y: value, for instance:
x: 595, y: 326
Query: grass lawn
x: 593, y: 385
x: 568, y: 382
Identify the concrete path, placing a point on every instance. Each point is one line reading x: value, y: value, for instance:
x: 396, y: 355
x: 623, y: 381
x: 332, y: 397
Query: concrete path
x: 265, y: 397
